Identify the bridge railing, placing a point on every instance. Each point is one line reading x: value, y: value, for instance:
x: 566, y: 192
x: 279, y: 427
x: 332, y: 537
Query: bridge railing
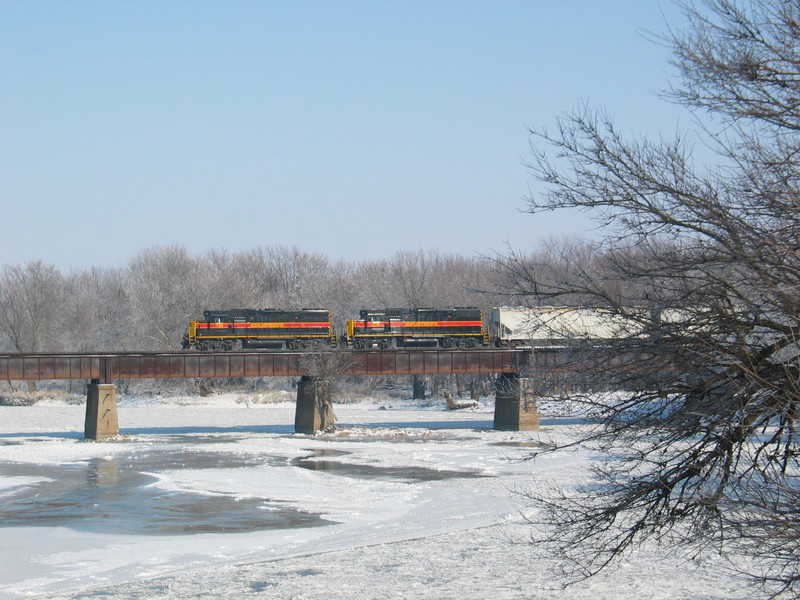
x: 105, y: 367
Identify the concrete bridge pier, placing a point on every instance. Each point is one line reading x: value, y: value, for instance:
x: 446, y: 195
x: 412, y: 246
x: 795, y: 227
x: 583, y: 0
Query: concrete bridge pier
x: 313, y: 411
x: 515, y: 406
x: 101, y: 411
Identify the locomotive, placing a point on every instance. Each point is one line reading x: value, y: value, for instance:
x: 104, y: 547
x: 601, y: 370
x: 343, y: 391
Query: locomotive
x: 400, y: 328
x: 268, y: 328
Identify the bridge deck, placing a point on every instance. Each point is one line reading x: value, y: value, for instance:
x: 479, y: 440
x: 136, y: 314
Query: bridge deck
x: 106, y: 367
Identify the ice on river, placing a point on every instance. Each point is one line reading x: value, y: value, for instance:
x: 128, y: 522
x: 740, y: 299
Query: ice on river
x: 214, y: 497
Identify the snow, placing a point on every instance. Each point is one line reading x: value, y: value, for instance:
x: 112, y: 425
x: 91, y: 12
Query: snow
x: 406, y: 501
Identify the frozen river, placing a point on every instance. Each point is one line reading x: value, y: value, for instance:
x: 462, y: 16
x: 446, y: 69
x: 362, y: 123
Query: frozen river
x: 217, y: 497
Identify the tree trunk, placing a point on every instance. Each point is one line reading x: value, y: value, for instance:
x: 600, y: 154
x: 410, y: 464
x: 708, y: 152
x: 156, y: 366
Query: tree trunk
x: 418, y: 387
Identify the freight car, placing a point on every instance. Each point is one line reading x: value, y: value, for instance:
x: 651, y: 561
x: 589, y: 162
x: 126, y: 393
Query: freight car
x: 556, y: 325
x: 268, y: 328
x: 398, y: 328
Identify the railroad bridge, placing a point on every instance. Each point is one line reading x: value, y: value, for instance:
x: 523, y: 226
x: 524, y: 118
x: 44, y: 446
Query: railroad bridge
x: 515, y: 405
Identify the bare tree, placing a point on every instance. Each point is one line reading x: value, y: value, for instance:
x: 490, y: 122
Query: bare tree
x: 95, y: 315
x: 344, y: 291
x: 703, y: 429
x: 163, y: 285
x: 29, y: 307
x: 29, y: 303
x: 223, y: 282
x: 377, y: 284
x: 412, y: 272
x: 282, y: 277
x: 430, y: 278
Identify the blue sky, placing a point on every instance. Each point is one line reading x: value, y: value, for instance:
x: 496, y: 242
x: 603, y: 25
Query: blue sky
x: 354, y: 129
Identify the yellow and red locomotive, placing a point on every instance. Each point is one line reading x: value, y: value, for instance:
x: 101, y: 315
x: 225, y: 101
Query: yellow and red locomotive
x: 398, y: 328
x: 268, y: 328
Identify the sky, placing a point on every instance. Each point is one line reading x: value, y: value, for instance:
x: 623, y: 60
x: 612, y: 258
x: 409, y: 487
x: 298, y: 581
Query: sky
x: 351, y: 129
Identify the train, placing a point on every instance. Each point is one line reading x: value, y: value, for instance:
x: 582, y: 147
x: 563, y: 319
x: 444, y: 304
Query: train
x: 457, y: 327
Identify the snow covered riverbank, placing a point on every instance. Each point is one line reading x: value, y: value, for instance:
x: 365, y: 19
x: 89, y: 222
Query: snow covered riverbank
x: 216, y: 497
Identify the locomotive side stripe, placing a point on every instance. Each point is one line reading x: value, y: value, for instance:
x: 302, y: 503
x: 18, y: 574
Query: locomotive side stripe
x: 370, y: 334
x: 368, y: 324
x: 322, y: 336
x: 201, y: 325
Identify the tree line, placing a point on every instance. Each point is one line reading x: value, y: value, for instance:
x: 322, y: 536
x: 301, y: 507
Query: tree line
x: 147, y: 303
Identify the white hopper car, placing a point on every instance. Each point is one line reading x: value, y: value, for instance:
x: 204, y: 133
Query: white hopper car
x: 551, y: 325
